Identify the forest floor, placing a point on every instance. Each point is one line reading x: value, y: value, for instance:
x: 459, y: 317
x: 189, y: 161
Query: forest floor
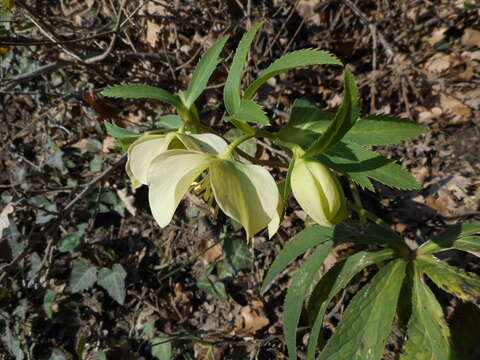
x: 68, y: 212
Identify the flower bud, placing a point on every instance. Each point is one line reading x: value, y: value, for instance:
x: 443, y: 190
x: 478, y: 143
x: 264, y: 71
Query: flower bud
x: 318, y: 192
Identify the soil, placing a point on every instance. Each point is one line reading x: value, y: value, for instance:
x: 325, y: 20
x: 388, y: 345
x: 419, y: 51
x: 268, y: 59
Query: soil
x: 63, y: 178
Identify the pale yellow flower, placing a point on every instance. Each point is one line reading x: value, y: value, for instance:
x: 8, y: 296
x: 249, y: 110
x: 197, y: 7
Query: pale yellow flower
x: 318, y: 192
x: 171, y: 164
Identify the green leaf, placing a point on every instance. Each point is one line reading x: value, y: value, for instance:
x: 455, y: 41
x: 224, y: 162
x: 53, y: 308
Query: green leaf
x: 383, y: 129
x: 302, y: 281
x: 250, y: 111
x: 361, y: 164
x: 48, y: 301
x: 138, y: 91
x: 428, y: 334
x: 170, y: 121
x: 83, y: 275
x: 209, y: 285
x: 365, y: 325
x: 237, y: 253
x: 306, y: 122
x: 463, y: 325
x: 161, y: 348
x: 203, y: 71
x: 289, y: 61
x: 453, y: 280
x: 304, y: 240
x: 118, y: 132
x: 231, y: 91
x: 331, y: 283
x: 100, y: 355
x: 114, y: 282
x: 458, y: 237
x: 345, y: 118
x: 57, y: 355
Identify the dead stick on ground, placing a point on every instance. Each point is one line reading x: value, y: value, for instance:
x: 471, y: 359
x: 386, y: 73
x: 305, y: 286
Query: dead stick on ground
x: 386, y: 46
x: 62, y: 213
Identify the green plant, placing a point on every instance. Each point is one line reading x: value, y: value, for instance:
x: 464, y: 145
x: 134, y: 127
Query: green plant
x: 185, y: 154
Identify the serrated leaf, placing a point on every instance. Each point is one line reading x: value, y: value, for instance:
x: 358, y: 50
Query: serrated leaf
x: 138, y: 91
x: 383, y: 129
x: 118, y: 132
x: 250, y: 111
x: 361, y: 164
x: 331, y: 283
x: 302, y: 281
x: 365, y: 325
x: 291, y: 61
x: 459, y: 236
x: 161, y: 348
x: 304, y: 240
x: 451, y: 279
x: 306, y: 122
x: 114, y: 282
x: 231, y: 91
x: 345, y: 118
x: 203, y: 71
x: 170, y: 121
x: 428, y: 334
x: 83, y: 275
x: 48, y: 301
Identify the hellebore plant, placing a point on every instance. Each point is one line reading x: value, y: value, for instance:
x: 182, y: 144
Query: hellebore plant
x: 188, y: 155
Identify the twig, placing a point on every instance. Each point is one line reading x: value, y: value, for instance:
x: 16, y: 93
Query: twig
x: 112, y: 42
x: 21, y: 41
x: 62, y: 213
x: 386, y: 46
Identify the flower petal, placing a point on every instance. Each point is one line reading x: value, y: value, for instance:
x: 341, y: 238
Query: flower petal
x: 245, y: 192
x: 209, y: 143
x: 318, y: 192
x: 169, y: 177
x: 142, y: 152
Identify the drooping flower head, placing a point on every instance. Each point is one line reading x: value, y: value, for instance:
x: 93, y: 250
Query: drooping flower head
x: 245, y: 192
x: 318, y: 192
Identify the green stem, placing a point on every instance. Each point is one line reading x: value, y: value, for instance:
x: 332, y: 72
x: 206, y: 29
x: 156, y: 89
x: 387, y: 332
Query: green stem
x: 234, y: 144
x: 402, y: 248
x: 356, y: 198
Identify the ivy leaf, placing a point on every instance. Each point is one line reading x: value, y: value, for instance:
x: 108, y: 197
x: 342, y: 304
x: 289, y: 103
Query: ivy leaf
x: 250, y: 111
x: 296, y: 293
x: 213, y: 287
x: 361, y: 164
x: 345, y: 118
x: 161, y: 348
x: 291, y: 61
x: 453, y: 280
x: 304, y: 240
x: 331, y: 283
x: 114, y: 282
x: 460, y: 236
x: 237, y: 253
x: 83, y: 276
x: 428, y: 334
x: 138, y: 91
x: 203, y: 71
x: 365, y: 325
x: 231, y: 91
x: 48, y: 301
